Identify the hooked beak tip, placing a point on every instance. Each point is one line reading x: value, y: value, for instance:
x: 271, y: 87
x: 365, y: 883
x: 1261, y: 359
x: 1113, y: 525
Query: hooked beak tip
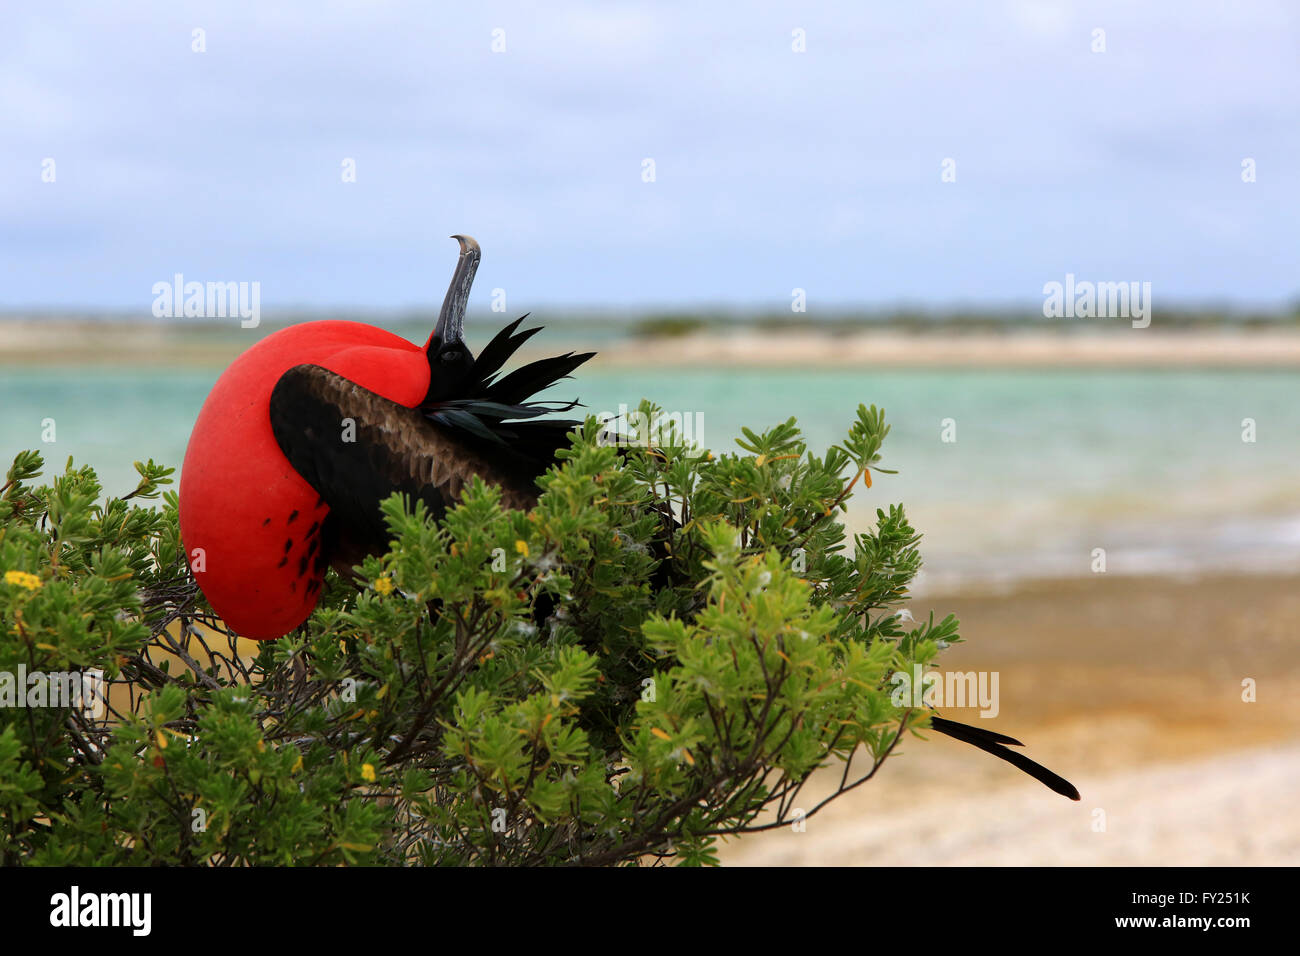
x: 467, y: 244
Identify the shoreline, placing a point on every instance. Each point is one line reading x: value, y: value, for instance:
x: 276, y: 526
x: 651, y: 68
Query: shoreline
x: 1132, y: 689
x: 1021, y: 348
x: 32, y: 342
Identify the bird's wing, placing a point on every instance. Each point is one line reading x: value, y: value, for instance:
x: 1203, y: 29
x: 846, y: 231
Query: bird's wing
x: 992, y: 742
x: 355, y: 448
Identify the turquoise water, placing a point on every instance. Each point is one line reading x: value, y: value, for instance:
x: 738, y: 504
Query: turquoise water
x: 1046, y: 466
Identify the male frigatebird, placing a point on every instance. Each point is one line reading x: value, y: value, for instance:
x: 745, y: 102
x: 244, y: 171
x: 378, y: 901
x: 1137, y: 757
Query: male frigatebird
x: 307, y: 431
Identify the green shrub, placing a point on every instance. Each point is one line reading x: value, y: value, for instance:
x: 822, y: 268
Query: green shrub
x: 709, y: 640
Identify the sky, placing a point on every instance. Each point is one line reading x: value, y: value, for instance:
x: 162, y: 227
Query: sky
x: 774, y: 169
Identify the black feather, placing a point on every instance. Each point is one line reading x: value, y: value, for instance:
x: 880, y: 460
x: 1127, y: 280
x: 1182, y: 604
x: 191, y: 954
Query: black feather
x: 528, y: 380
x: 503, y: 345
x: 991, y: 742
x: 992, y: 736
x: 488, y: 410
x: 461, y: 418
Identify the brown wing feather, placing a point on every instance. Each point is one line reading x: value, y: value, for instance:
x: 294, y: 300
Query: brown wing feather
x: 393, y: 448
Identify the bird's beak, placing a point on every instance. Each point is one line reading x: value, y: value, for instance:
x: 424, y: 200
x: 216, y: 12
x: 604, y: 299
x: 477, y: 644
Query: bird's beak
x: 451, y: 320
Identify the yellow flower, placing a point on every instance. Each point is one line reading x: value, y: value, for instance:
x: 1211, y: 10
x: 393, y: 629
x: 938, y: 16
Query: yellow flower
x: 522, y: 547
x: 368, y: 772
x: 24, y: 580
x: 384, y: 585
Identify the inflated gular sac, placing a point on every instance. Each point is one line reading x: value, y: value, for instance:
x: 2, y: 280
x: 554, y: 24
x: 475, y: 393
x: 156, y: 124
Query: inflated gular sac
x: 309, y: 430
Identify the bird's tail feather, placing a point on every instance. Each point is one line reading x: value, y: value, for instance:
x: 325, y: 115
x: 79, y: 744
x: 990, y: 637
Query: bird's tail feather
x: 992, y: 742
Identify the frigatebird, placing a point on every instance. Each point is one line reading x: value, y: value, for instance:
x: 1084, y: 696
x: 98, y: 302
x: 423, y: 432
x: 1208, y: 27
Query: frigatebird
x: 307, y: 431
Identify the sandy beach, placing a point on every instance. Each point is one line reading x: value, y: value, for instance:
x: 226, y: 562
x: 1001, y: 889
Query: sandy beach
x: 1067, y: 347
x: 43, y: 341
x: 1129, y: 687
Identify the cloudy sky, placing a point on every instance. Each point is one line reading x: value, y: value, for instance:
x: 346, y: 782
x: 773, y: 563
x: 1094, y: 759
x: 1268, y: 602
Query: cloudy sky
x: 774, y: 169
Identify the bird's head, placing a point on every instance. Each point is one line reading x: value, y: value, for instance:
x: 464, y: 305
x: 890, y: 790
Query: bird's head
x: 451, y: 363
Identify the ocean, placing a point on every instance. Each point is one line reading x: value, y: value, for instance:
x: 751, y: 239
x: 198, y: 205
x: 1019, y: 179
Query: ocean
x: 1008, y: 474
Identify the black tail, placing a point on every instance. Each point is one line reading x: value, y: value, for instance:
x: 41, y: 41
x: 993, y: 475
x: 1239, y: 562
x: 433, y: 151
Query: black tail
x: 991, y: 742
